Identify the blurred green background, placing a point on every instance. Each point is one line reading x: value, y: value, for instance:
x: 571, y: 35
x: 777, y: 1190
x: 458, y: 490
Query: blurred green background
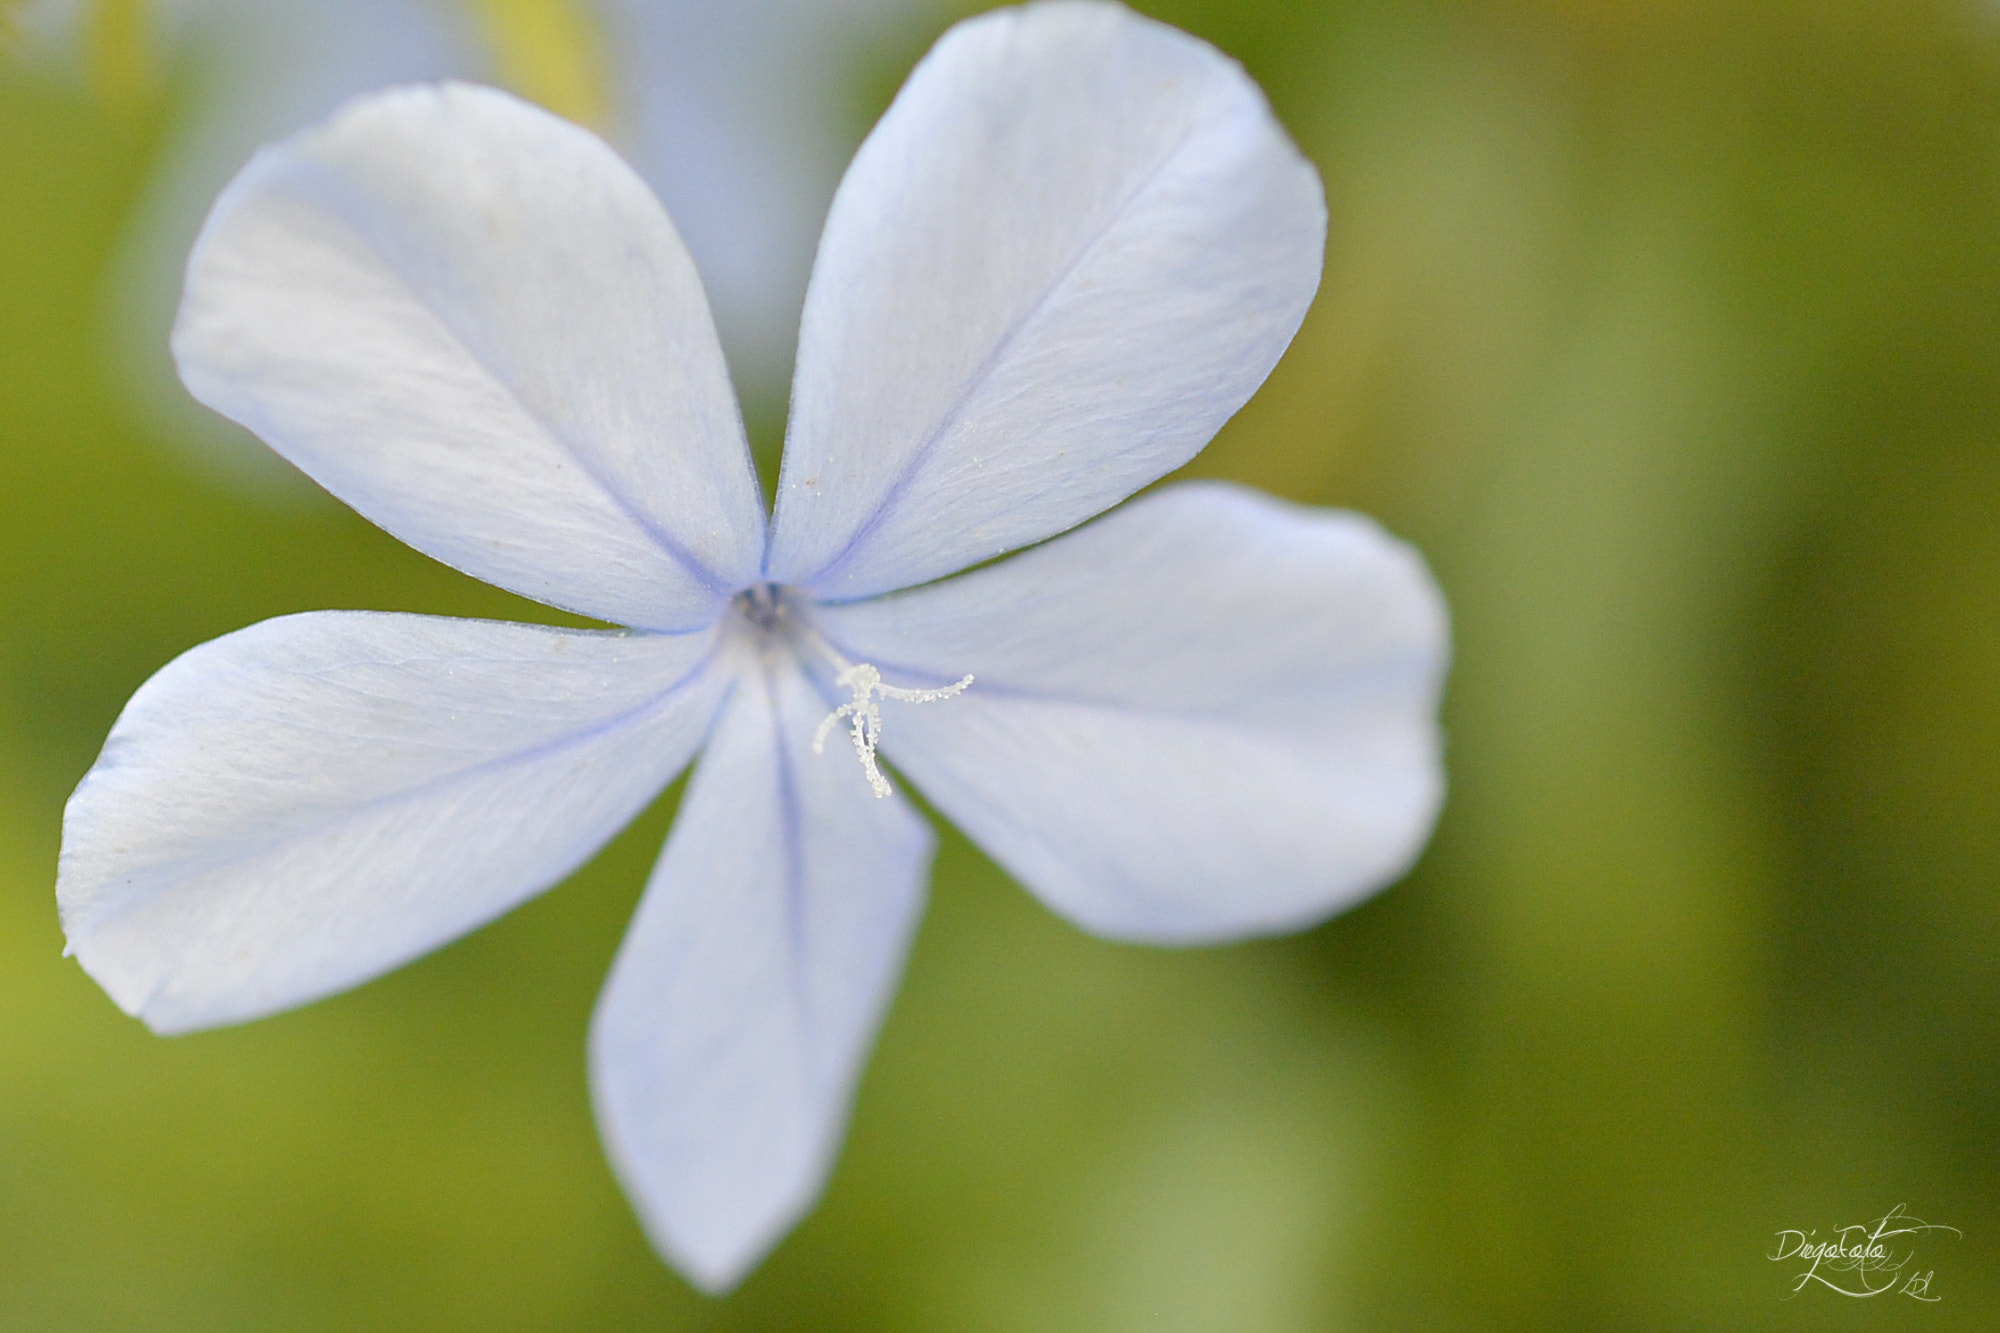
x: 1669, y: 329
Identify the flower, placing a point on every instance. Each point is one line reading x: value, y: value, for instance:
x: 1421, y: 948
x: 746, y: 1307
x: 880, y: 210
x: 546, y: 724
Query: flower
x: 731, y: 113
x: 1073, y: 247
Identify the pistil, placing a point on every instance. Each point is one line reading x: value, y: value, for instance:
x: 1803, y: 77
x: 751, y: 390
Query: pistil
x: 864, y: 714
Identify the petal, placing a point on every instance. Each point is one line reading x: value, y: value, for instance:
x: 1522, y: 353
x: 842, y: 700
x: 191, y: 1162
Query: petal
x: 263, y: 68
x: 1073, y: 247
x: 472, y: 322
x: 727, y: 1043
x: 1209, y: 714
x: 301, y: 805
x: 736, y: 115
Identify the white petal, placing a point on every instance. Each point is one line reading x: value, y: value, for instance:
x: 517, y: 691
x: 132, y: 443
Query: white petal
x: 1206, y: 715
x: 727, y: 1043
x: 261, y: 69
x: 1074, y: 246
x: 735, y: 114
x: 304, y: 804
x: 472, y: 322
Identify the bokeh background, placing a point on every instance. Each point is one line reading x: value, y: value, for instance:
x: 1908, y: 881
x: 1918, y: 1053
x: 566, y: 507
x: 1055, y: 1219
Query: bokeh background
x: 1669, y: 329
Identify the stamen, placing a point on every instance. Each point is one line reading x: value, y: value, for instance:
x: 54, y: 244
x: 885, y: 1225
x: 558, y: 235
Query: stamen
x: 864, y: 715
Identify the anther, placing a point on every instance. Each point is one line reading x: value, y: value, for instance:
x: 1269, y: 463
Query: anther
x: 762, y: 606
x: 864, y: 715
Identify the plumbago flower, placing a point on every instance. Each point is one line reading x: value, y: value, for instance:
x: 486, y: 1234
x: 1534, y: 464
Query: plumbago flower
x: 1072, y: 248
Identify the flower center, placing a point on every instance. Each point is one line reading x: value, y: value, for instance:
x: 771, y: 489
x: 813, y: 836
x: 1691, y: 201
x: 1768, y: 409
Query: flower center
x: 766, y: 607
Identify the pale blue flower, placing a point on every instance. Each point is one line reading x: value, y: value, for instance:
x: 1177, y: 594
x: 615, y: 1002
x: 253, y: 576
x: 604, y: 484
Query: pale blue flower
x: 1072, y: 248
